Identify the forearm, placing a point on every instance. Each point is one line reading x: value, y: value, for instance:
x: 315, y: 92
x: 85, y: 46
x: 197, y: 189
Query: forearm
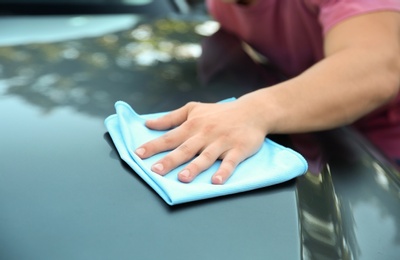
x: 336, y: 91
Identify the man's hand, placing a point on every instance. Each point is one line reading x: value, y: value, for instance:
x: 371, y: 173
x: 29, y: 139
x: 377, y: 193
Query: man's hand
x: 227, y: 131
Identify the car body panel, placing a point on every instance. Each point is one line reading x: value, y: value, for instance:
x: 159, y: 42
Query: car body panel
x: 65, y: 193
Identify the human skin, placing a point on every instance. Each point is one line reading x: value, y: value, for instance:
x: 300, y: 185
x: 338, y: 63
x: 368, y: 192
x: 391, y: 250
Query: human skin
x: 360, y: 72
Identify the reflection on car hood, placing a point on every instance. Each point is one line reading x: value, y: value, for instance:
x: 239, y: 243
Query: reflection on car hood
x: 27, y: 30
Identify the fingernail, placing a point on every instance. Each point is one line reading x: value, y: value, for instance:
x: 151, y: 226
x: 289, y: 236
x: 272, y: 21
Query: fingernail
x: 185, y: 173
x: 217, y: 179
x: 158, y: 167
x: 140, y: 151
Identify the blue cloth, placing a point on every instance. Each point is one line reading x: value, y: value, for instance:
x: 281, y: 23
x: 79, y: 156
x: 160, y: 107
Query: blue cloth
x: 272, y: 164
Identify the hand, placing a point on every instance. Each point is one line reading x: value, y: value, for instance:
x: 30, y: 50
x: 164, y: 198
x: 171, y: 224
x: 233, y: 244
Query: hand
x: 228, y: 131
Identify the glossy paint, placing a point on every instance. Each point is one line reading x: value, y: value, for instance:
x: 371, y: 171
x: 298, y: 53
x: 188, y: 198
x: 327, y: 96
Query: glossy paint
x: 65, y: 194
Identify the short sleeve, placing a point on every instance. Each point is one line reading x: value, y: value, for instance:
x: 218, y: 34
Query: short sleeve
x: 334, y: 11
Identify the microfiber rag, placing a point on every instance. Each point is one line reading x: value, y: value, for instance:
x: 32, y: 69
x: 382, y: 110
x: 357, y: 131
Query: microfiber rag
x: 272, y: 164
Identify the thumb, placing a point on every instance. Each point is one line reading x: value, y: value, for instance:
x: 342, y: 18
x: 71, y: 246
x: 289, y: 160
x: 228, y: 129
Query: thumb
x: 170, y: 120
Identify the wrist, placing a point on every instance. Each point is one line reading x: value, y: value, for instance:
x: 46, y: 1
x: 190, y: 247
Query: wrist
x: 262, y: 107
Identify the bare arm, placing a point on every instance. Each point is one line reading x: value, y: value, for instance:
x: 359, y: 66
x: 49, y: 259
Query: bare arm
x: 360, y: 73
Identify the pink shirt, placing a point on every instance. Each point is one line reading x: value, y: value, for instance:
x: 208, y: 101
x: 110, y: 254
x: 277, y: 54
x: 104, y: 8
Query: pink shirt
x: 290, y: 33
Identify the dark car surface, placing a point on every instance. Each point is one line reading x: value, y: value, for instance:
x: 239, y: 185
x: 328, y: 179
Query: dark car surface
x: 66, y: 194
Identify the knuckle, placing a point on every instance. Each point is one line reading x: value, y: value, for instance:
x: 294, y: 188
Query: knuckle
x: 223, y: 172
x: 190, y: 125
x: 225, y: 138
x: 167, y: 139
x: 209, y: 129
x: 191, y: 103
x: 148, y: 149
x: 230, y: 164
x: 186, y: 151
x: 194, y: 167
x: 184, y: 148
x: 167, y: 120
x: 207, y: 156
x: 241, y: 148
x: 168, y: 161
x: 239, y: 144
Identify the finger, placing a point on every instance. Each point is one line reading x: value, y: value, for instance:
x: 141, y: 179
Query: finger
x: 178, y: 156
x: 167, y: 141
x: 227, y: 167
x: 170, y: 120
x: 204, y: 161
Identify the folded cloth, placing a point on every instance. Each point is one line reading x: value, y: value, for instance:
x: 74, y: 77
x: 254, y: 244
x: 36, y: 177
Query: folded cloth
x: 272, y: 164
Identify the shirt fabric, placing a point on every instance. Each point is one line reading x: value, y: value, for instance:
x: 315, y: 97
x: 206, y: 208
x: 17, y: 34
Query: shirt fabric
x: 290, y: 34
